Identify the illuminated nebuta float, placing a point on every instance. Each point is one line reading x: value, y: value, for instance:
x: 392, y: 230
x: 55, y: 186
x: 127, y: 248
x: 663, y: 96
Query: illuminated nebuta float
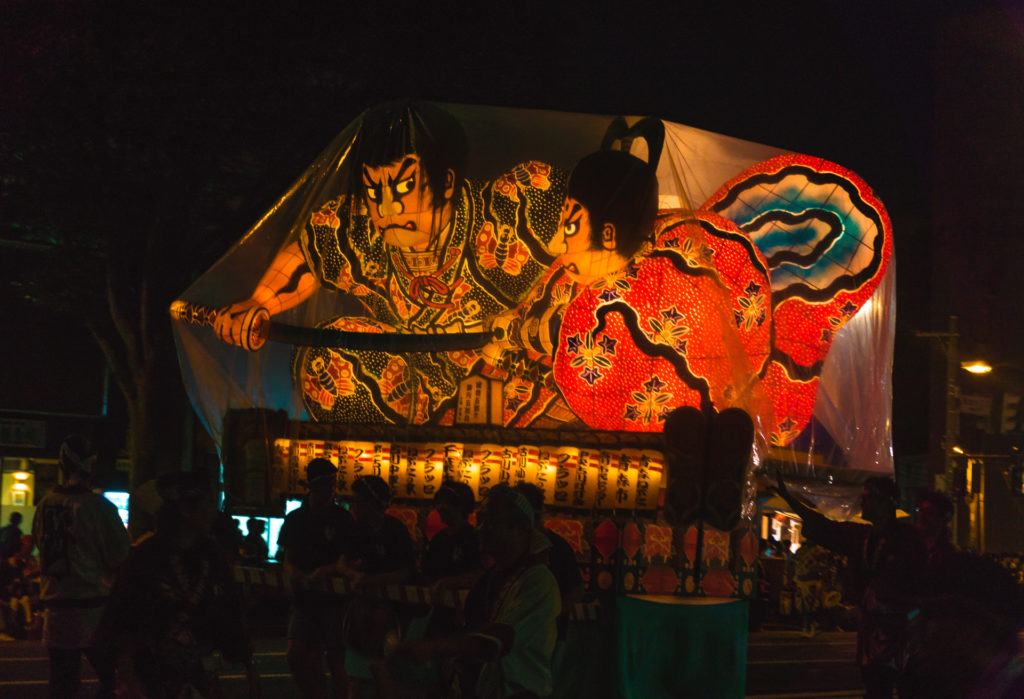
x: 498, y: 295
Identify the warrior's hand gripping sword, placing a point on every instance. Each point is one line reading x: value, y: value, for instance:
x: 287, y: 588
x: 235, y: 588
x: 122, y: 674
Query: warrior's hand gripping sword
x: 257, y: 328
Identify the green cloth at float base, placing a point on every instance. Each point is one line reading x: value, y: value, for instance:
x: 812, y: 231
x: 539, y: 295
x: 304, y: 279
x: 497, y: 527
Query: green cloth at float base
x: 681, y: 647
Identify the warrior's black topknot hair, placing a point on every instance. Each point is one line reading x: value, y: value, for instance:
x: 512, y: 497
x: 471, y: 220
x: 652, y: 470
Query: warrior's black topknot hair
x: 391, y: 130
x: 619, y: 188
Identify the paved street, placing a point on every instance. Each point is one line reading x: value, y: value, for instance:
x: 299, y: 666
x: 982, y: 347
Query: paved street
x: 23, y: 672
x: 781, y: 664
x: 785, y: 664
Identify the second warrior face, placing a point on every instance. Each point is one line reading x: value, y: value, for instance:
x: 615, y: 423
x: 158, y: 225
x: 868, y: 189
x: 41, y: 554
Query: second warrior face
x: 587, y: 257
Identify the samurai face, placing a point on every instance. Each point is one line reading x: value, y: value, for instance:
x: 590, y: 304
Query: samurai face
x: 402, y: 205
x: 573, y: 235
x: 574, y: 241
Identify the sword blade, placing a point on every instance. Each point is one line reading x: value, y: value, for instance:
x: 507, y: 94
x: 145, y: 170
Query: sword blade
x: 384, y: 342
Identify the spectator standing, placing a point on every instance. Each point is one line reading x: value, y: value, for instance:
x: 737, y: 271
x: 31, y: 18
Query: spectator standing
x: 82, y: 543
x: 228, y: 534
x: 10, y: 544
x: 511, y: 612
x: 254, y: 547
x: 19, y: 590
x: 10, y: 537
x: 964, y: 639
x: 383, y: 554
x: 313, y: 540
x: 934, y: 513
x: 175, y: 602
x: 451, y: 562
x: 888, y: 559
x: 452, y: 558
x: 561, y: 557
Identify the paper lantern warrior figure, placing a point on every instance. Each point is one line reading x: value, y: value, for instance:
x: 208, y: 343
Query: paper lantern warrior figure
x: 645, y: 311
x: 423, y: 250
x: 733, y: 304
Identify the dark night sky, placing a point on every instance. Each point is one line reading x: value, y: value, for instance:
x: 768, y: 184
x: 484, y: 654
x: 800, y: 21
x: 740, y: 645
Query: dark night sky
x: 924, y: 100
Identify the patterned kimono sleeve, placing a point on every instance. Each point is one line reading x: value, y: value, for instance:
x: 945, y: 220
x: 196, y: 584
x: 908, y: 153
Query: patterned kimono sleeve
x: 533, y: 325
x: 342, y: 249
x: 515, y: 218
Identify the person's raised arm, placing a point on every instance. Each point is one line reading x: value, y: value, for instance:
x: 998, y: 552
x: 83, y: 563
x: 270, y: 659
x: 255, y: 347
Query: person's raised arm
x: 816, y: 526
x: 797, y: 505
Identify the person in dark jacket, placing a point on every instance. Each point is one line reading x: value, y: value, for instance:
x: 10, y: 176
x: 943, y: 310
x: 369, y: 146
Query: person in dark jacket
x: 314, y: 540
x: 452, y: 558
x: 10, y: 537
x: 888, y: 560
x: 383, y: 554
x: 175, y: 602
x: 82, y: 543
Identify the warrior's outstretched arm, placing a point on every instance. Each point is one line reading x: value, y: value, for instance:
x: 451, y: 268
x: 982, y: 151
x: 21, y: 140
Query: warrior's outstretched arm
x: 286, y: 283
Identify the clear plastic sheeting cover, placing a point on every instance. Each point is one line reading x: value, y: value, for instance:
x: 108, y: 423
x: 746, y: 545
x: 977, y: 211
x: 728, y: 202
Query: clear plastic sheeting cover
x: 764, y: 281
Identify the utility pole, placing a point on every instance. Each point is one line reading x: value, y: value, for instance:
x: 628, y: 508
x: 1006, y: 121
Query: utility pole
x: 951, y: 433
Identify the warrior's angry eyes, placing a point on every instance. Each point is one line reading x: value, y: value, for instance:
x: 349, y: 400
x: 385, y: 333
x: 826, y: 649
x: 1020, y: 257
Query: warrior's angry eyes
x: 398, y: 178
x: 399, y: 189
x: 405, y: 186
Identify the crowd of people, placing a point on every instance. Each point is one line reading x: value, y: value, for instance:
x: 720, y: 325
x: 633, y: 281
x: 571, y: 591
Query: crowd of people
x: 932, y: 621
x: 155, y: 618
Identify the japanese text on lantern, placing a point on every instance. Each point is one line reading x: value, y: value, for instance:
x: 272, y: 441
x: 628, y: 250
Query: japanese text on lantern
x: 397, y: 469
x: 424, y: 469
x: 469, y: 467
x: 452, y: 461
x: 369, y: 459
x: 490, y: 467
x: 626, y: 477
x: 566, y: 459
x: 508, y: 462
x: 546, y: 474
x: 604, y: 473
x: 644, y: 474
x: 584, y: 488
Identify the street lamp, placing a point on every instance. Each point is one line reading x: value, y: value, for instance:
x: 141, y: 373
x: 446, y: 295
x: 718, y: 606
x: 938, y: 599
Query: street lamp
x: 978, y: 366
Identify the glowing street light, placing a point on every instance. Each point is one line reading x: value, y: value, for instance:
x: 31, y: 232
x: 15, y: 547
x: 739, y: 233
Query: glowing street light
x: 978, y: 366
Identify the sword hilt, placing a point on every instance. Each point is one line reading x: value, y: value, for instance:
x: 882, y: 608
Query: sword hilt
x: 255, y: 324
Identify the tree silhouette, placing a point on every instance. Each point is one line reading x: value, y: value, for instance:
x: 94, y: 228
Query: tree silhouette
x: 135, y: 149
